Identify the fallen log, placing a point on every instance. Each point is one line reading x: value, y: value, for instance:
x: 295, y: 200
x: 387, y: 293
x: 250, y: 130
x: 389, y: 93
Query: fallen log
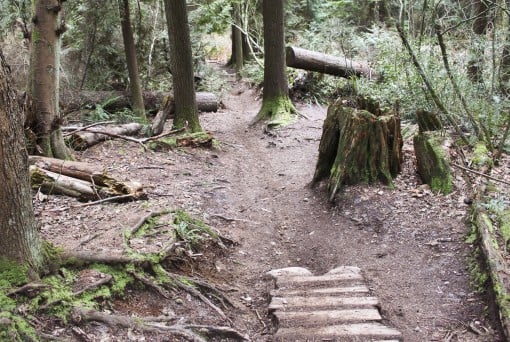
x: 54, y: 183
x: 84, y: 139
x: 81, y: 180
x: 327, y: 64
x: 84, y: 171
x: 71, y: 100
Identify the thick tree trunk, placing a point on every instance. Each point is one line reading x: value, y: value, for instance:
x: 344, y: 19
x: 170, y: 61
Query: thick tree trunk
x: 327, y: 64
x: 186, y: 112
x: 358, y: 145
x: 43, y: 116
x: 116, y: 100
x: 19, y: 239
x: 132, y: 64
x: 276, y: 104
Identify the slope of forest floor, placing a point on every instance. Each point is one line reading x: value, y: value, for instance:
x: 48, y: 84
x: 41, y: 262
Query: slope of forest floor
x: 409, y: 242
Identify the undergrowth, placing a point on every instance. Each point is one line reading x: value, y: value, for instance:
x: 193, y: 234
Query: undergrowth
x: 56, y: 294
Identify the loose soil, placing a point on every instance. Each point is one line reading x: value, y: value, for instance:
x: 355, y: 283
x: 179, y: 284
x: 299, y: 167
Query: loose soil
x: 409, y: 242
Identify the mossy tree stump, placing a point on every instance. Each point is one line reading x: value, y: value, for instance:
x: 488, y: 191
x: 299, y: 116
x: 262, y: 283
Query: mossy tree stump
x: 431, y: 156
x: 359, y: 145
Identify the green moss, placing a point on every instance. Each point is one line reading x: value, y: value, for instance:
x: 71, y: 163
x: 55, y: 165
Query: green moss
x: 279, y: 111
x: 504, y: 225
x: 12, y: 274
x: 433, y: 166
x: 481, y: 156
x: 121, y: 276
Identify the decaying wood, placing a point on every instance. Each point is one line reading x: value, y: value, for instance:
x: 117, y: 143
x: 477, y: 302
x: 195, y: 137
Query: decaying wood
x: 498, y: 271
x: 358, y: 145
x: 428, y: 121
x: 158, y: 123
x: 84, y: 139
x: 155, y: 324
x: 79, y: 180
x: 327, y: 64
x: 71, y: 100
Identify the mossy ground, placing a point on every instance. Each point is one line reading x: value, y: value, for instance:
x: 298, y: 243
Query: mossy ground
x: 279, y: 111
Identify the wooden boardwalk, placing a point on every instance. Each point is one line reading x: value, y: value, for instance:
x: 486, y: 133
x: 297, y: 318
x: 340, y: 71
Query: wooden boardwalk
x: 336, y: 306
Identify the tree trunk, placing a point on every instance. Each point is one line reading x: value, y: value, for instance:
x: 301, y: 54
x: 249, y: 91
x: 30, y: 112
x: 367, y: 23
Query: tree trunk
x: 43, y: 116
x: 117, y: 100
x: 276, y: 104
x: 19, y: 240
x: 237, y: 40
x: 358, y: 145
x: 475, y: 63
x: 186, y: 112
x: 327, y: 64
x: 132, y: 64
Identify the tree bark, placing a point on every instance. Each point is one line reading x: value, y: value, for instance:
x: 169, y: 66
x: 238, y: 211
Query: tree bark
x: 116, y: 100
x: 358, y: 145
x: 276, y: 104
x: 327, y: 64
x: 19, y: 239
x: 237, y: 40
x: 186, y: 112
x: 131, y: 61
x: 43, y: 116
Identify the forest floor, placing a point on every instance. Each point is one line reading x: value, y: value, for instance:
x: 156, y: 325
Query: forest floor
x: 408, y: 242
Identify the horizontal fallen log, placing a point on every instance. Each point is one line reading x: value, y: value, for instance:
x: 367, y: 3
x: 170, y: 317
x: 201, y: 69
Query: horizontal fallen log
x: 81, y: 140
x: 327, y: 64
x: 59, y: 184
x: 71, y: 101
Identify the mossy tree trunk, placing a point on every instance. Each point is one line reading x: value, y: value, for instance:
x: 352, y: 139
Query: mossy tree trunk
x: 358, y: 146
x: 276, y: 104
x: 43, y: 115
x: 186, y: 112
x: 131, y: 61
x: 19, y: 239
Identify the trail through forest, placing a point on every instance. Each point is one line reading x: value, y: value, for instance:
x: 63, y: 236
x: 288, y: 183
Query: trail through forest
x: 408, y: 242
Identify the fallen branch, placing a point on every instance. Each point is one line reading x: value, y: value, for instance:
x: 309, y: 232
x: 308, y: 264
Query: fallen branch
x: 144, y: 219
x: 481, y: 174
x: 149, y: 325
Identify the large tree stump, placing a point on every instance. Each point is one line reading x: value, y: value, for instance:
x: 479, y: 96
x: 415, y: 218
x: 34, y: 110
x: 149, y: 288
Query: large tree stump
x: 358, y: 146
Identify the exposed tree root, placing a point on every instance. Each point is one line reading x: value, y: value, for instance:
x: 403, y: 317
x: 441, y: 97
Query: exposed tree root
x: 189, y: 331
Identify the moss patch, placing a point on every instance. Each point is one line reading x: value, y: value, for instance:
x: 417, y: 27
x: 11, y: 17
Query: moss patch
x: 481, y: 156
x: 432, y: 162
x: 279, y: 111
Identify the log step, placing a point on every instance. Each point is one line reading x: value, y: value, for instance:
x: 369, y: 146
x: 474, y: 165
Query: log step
x: 344, y: 332
x: 321, y: 317
x: 336, y: 306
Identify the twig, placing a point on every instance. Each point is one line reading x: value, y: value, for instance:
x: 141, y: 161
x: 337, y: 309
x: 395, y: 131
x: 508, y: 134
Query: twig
x: 108, y: 278
x: 143, y: 141
x: 109, y: 199
x: 230, y: 219
x: 481, y: 174
x: 88, y: 239
x: 30, y: 287
x: 76, y: 130
x: 144, y: 219
x: 260, y: 318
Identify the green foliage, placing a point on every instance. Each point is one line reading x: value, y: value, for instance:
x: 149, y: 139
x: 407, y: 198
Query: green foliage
x: 191, y: 230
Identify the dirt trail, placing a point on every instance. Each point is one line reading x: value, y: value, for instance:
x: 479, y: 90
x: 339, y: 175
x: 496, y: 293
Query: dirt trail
x: 408, y: 242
